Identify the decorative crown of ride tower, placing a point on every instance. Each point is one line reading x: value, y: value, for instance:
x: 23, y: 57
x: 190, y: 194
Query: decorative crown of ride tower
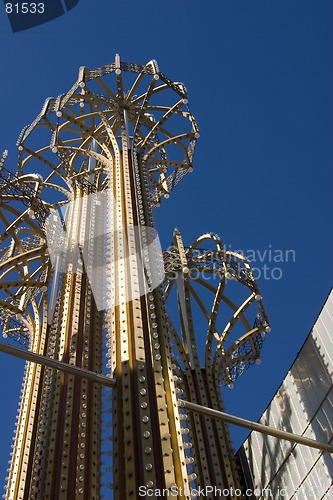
x: 83, y: 284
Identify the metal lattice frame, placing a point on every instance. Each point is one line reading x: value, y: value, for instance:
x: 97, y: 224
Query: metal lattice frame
x: 24, y: 270
x: 228, y: 348
x: 85, y: 114
x: 190, y: 265
x: 136, y: 144
x: 133, y: 146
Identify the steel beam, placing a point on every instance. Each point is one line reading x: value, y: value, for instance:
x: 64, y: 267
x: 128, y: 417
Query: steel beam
x: 254, y: 426
x: 57, y: 365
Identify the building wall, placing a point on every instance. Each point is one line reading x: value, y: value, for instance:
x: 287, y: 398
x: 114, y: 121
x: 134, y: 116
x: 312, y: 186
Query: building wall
x: 302, y: 405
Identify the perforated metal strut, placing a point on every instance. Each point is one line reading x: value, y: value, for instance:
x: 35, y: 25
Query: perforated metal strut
x: 89, y: 292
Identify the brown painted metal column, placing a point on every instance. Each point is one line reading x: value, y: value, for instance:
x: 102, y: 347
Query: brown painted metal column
x: 84, y: 282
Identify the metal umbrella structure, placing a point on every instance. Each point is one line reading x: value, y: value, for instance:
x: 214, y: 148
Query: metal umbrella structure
x: 108, y: 319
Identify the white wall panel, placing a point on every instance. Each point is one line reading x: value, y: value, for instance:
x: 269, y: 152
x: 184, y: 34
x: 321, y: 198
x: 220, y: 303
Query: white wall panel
x: 278, y: 450
x: 298, y: 417
x: 315, y: 431
x: 294, y: 475
x: 319, y: 481
x: 323, y: 337
x: 305, y: 491
x: 302, y: 405
x: 325, y: 422
x: 329, y: 495
x: 283, y: 481
x: 263, y: 470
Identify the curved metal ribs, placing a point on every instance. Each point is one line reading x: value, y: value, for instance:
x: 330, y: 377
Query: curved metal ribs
x: 205, y: 276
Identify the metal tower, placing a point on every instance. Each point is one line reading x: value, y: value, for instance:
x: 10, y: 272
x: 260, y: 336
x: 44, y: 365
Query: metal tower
x: 112, y: 369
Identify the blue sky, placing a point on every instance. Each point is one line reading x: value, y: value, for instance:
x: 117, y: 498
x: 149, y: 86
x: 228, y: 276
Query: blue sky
x: 259, y: 75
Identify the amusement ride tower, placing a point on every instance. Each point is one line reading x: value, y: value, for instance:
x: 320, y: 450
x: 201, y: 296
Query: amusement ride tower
x: 114, y: 358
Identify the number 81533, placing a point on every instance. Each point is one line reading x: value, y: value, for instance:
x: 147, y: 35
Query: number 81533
x: 25, y: 8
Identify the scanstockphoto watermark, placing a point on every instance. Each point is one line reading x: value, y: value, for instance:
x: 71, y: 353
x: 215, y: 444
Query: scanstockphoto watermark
x: 208, y: 491
x: 87, y: 236
x: 268, y: 263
